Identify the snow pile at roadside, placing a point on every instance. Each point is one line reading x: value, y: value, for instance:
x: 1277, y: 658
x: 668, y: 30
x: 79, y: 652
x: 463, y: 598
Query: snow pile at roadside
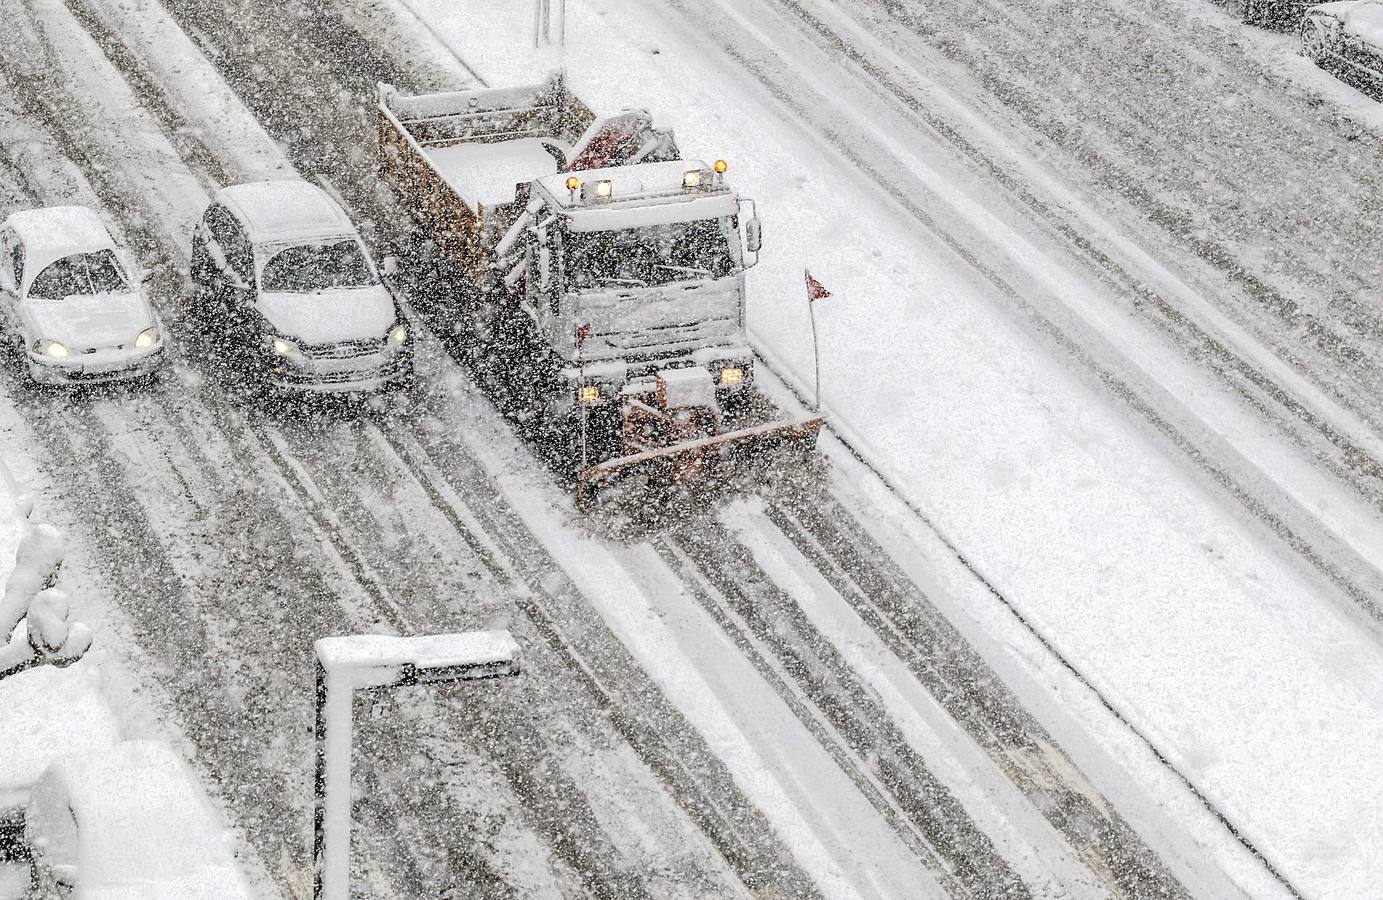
x: 14, y: 508
x: 44, y: 712
x: 1239, y: 671
x: 144, y: 825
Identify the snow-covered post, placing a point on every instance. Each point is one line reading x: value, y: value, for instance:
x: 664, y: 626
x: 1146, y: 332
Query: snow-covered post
x: 367, y: 661
x: 30, y: 598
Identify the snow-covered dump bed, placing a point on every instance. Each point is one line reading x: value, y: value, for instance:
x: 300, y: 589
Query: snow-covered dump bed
x: 458, y: 157
x: 487, y: 175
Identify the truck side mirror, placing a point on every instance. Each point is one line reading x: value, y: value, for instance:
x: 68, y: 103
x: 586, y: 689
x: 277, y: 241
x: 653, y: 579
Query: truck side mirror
x: 753, y: 235
x: 544, y: 266
x: 544, y: 257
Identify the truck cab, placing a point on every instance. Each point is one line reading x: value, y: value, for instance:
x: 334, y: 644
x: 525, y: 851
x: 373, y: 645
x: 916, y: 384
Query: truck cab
x: 643, y: 267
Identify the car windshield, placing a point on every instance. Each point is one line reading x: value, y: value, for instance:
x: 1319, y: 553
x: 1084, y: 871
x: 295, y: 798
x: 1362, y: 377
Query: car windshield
x: 317, y: 267
x: 80, y: 274
x: 649, y: 256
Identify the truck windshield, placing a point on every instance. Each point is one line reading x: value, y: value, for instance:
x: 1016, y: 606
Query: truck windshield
x: 80, y: 273
x: 649, y: 256
x: 317, y: 267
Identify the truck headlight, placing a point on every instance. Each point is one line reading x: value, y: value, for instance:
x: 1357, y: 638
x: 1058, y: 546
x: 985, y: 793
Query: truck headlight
x: 588, y: 393
x: 732, y: 375
x: 282, y: 346
x: 398, y: 335
x: 50, y: 348
x: 146, y: 339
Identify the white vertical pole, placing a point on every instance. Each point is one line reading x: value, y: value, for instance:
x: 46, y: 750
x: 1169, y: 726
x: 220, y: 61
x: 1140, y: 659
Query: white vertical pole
x: 581, y: 365
x: 816, y: 350
x: 332, y: 838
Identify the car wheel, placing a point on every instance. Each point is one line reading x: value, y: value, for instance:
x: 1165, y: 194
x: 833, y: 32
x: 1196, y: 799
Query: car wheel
x: 1314, y: 40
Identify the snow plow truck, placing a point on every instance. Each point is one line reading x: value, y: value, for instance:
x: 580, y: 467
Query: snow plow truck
x: 600, y: 278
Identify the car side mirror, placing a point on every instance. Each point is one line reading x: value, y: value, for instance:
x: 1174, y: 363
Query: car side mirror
x: 389, y: 266
x: 146, y: 276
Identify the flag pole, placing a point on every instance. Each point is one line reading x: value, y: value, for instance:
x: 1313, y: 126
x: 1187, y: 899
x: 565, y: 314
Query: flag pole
x: 581, y: 334
x: 816, y: 351
x: 815, y: 291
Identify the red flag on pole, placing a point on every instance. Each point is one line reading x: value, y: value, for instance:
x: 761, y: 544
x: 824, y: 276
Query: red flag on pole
x: 815, y: 289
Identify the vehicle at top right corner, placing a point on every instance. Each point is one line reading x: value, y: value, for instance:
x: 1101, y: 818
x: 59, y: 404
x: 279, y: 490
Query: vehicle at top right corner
x: 1347, y: 38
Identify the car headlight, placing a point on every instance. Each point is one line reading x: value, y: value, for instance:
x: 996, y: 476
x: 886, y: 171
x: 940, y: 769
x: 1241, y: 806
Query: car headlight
x: 51, y: 348
x: 146, y: 339
x: 732, y: 375
x: 398, y: 335
x: 282, y: 346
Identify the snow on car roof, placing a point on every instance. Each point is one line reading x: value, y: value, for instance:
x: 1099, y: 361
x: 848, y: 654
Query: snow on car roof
x: 1363, y: 18
x: 142, y: 820
x: 56, y: 231
x: 286, y: 210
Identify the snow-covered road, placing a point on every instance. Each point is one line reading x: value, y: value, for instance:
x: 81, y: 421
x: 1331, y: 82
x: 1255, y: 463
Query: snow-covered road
x: 764, y: 702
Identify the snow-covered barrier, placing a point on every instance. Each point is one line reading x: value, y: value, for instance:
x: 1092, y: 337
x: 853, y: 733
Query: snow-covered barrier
x: 129, y: 821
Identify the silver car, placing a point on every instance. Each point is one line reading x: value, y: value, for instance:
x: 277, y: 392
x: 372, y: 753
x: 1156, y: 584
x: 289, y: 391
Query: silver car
x: 292, y: 296
x: 74, y: 303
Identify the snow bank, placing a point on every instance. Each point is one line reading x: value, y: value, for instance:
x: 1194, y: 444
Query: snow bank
x: 143, y: 826
x: 44, y: 712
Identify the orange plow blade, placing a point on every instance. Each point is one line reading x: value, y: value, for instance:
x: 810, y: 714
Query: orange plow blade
x: 705, y: 458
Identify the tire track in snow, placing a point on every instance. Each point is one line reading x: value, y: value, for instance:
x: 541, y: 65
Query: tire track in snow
x: 272, y: 529
x: 807, y: 672
x: 905, y: 620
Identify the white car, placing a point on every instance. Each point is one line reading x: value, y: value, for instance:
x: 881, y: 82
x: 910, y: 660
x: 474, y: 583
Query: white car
x: 73, y: 300
x: 293, y: 293
x: 128, y: 823
x: 1348, y: 38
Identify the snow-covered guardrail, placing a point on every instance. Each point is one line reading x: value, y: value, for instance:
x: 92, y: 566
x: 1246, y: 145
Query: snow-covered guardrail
x: 371, y: 661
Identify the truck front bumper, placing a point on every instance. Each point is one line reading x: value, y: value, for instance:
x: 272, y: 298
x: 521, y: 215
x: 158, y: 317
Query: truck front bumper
x: 731, y: 368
